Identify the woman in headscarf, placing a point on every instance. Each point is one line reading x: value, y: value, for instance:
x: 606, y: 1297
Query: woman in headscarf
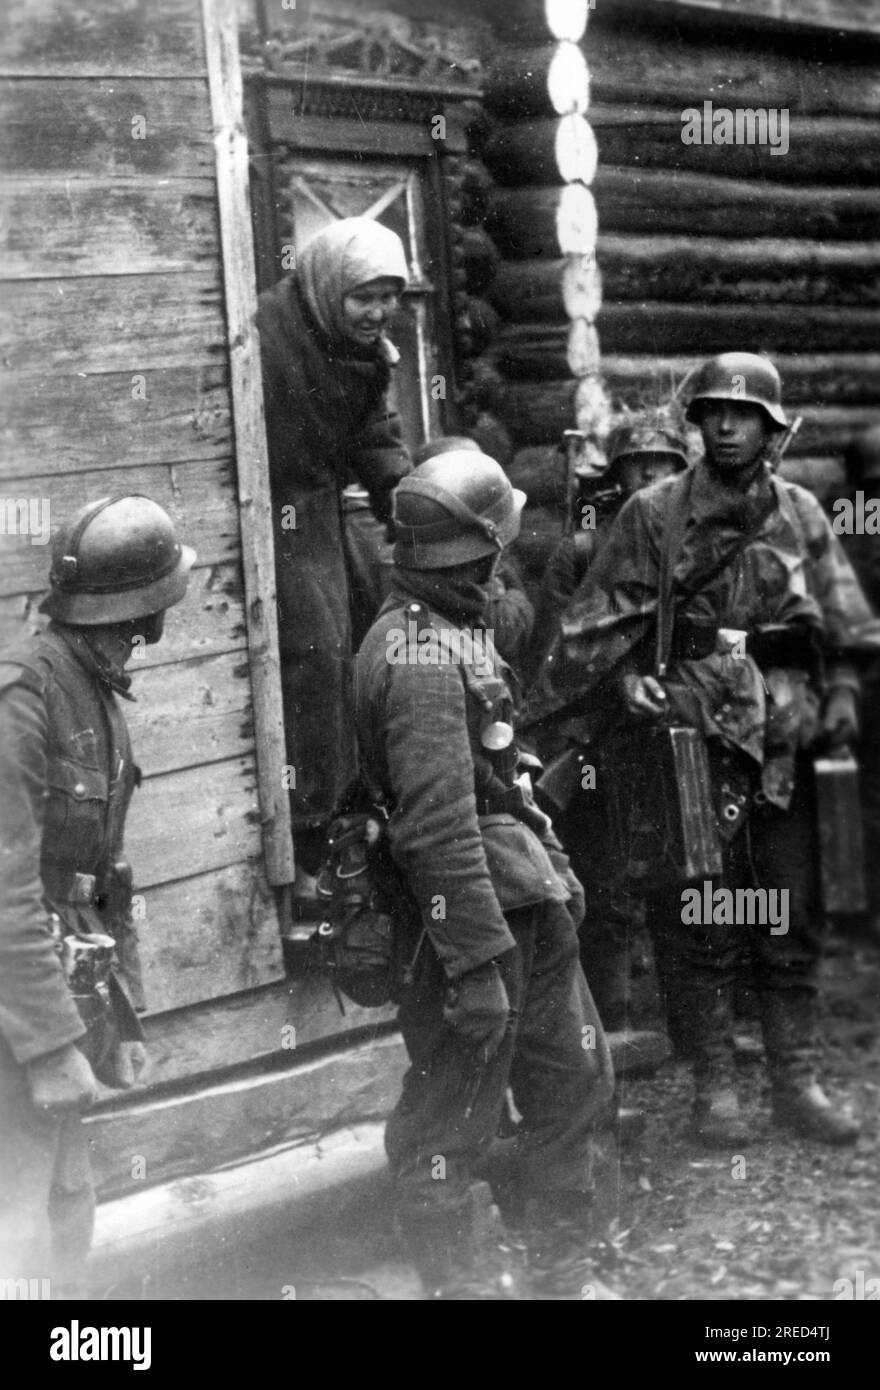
x: 326, y: 372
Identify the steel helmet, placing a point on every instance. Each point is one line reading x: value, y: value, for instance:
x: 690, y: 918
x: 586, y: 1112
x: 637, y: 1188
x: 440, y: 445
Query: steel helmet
x: 627, y: 440
x: 740, y: 376
x: 455, y: 507
x: 116, y: 559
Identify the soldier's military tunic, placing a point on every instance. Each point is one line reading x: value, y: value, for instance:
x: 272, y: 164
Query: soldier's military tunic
x: 67, y: 776
x: 758, y: 710
x: 490, y: 881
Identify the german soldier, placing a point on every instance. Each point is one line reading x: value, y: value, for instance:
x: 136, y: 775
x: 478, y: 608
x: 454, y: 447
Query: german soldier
x: 496, y: 997
x: 70, y: 983
x: 764, y: 623
x: 640, y: 452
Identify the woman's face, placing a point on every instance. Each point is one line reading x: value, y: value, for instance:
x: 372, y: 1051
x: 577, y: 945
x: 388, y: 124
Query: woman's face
x: 367, y: 308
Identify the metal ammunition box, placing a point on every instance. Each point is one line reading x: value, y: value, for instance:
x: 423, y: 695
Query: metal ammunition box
x: 841, y: 845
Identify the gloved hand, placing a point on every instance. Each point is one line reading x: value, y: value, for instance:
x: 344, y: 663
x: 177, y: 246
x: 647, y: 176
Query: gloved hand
x: 129, y: 1062
x: 62, y: 1080
x: 840, y: 717
x: 477, y: 1008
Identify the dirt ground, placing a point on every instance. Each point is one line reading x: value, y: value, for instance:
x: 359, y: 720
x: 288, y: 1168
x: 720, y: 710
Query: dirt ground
x: 783, y: 1219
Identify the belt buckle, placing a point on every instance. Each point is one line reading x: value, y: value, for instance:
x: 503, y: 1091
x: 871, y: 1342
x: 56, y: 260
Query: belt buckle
x: 82, y: 892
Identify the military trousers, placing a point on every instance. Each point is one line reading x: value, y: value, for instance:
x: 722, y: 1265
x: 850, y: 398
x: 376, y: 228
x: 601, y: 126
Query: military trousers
x: 47, y: 1199
x: 614, y: 912
x: 554, y: 1057
x: 775, y: 850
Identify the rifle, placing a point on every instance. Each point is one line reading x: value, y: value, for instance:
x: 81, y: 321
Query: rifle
x: 780, y: 448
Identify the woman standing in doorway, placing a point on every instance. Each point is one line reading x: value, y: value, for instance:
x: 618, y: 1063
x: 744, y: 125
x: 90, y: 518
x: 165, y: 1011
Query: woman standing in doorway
x: 326, y: 372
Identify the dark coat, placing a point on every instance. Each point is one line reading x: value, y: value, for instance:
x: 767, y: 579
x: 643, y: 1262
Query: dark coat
x: 67, y: 776
x: 419, y: 723
x: 327, y: 423
x: 792, y: 572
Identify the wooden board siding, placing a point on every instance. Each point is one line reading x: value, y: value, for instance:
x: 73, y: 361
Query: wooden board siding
x: 116, y: 378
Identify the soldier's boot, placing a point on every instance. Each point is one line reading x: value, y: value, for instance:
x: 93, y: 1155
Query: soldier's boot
x: 467, y: 1253
x: 560, y: 1236
x: 799, y: 1102
x: 717, y: 1120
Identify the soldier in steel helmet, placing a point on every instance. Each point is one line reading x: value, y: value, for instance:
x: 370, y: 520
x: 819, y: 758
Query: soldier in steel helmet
x: 762, y: 628
x: 640, y: 452
x: 495, y: 997
x: 70, y: 987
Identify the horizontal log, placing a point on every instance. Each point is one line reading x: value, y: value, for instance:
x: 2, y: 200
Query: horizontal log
x: 715, y: 270
x: 116, y: 37
x: 852, y: 17
x: 539, y: 351
x: 205, y: 937
x: 707, y: 270
x: 218, y: 1032
x: 79, y: 130
x: 191, y: 822
x: 173, y: 1136
x: 814, y: 150
x: 523, y: 220
x: 191, y: 713
x: 107, y: 227
x: 200, y: 497
x: 632, y: 67
x: 537, y: 413
x: 167, y: 1237
x: 843, y: 379
x: 112, y: 324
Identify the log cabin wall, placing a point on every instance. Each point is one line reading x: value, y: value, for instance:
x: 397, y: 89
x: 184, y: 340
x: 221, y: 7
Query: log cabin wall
x: 701, y: 248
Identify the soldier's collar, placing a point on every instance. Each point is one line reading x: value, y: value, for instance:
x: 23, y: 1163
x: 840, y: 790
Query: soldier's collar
x: 97, y: 663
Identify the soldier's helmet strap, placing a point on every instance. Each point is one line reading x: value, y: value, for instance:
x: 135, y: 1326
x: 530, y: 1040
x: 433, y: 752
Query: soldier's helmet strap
x: 471, y: 520
x: 66, y: 569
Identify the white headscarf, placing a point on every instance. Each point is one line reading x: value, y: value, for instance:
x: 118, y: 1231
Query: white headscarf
x: 347, y: 254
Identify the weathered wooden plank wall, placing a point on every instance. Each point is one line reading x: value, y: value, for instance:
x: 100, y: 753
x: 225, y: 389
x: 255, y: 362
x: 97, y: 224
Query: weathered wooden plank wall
x: 113, y: 348
x: 701, y: 248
